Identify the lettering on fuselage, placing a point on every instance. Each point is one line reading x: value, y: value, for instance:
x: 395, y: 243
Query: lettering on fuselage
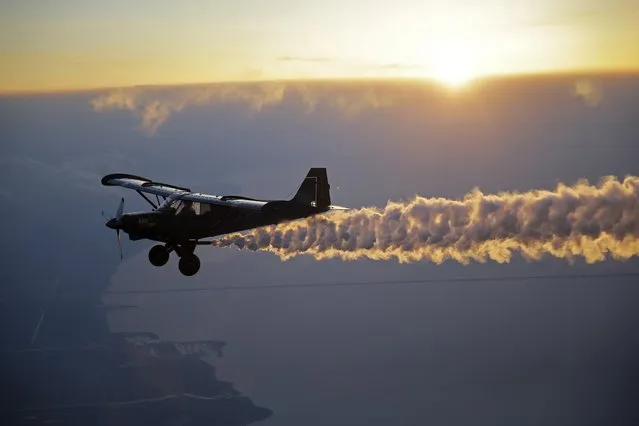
x: 145, y: 222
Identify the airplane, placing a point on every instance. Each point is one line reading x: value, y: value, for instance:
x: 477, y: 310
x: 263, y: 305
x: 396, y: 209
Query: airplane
x: 181, y: 219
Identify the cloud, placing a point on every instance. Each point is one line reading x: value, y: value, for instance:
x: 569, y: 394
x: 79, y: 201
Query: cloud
x: 591, y: 222
x: 588, y: 91
x: 155, y: 105
x: 303, y: 59
x: 398, y: 66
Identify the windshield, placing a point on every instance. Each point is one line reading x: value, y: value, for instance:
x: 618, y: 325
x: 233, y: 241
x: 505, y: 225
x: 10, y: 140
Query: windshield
x: 186, y: 208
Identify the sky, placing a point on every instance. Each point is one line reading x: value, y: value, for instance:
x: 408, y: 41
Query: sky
x: 504, y: 352
x: 72, y: 44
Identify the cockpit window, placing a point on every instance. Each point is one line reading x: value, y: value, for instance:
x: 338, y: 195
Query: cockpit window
x: 204, y: 208
x: 186, y: 207
x: 176, y: 206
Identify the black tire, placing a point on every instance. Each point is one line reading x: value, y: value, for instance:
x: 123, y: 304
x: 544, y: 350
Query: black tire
x: 158, y: 255
x: 189, y: 265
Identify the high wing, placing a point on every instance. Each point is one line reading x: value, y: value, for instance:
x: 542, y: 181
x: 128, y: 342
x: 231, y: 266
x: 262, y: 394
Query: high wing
x: 235, y: 202
x: 142, y: 185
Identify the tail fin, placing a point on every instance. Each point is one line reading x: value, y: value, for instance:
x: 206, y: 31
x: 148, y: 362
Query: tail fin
x: 315, y: 190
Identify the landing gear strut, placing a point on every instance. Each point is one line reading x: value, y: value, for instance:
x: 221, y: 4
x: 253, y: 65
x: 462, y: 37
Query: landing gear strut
x: 189, y: 263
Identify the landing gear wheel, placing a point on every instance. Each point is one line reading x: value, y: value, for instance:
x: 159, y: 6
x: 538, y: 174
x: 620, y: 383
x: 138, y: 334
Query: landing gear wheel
x: 158, y: 255
x: 189, y: 265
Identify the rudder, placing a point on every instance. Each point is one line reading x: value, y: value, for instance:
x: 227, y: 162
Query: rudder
x: 315, y: 190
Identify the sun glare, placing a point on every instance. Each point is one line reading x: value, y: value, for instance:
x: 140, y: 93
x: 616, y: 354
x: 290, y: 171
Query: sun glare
x: 453, y: 74
x: 453, y: 64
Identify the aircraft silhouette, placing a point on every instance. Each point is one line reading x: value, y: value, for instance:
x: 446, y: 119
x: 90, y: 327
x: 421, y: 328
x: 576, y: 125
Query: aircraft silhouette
x: 180, y: 218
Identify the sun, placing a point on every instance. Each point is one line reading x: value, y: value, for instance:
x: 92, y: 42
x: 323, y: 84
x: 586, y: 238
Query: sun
x: 453, y: 64
x: 453, y: 73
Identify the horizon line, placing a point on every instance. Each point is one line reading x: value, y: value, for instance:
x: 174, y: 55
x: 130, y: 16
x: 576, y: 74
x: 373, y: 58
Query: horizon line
x: 385, y: 79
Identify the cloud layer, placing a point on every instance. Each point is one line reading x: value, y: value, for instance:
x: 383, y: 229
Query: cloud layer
x: 579, y: 221
x: 155, y: 105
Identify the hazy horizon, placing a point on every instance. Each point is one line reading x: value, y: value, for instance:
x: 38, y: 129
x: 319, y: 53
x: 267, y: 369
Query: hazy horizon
x: 467, y: 87
x: 68, y: 45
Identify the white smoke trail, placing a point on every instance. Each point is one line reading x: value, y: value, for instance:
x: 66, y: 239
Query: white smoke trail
x: 593, y: 222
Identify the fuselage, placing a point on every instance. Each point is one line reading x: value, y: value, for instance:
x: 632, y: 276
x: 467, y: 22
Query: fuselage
x: 165, y: 226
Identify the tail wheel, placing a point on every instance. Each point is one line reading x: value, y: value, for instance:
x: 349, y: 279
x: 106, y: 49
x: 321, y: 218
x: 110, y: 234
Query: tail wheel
x: 158, y: 255
x: 189, y: 265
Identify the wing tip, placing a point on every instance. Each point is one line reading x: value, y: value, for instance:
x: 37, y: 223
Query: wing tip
x: 106, y: 179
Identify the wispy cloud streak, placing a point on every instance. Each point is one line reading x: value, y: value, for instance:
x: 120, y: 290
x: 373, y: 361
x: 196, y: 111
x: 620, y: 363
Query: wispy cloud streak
x: 155, y: 105
x: 303, y: 59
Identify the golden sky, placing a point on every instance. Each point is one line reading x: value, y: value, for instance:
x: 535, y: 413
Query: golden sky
x: 78, y: 44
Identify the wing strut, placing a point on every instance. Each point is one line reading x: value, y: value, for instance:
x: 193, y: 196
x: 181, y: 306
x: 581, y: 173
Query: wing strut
x: 147, y: 199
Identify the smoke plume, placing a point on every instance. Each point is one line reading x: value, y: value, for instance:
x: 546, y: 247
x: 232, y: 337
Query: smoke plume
x: 579, y: 221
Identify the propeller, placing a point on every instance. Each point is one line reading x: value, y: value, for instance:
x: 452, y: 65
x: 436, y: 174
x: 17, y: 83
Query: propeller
x: 115, y: 223
x: 118, y: 215
x: 117, y: 232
